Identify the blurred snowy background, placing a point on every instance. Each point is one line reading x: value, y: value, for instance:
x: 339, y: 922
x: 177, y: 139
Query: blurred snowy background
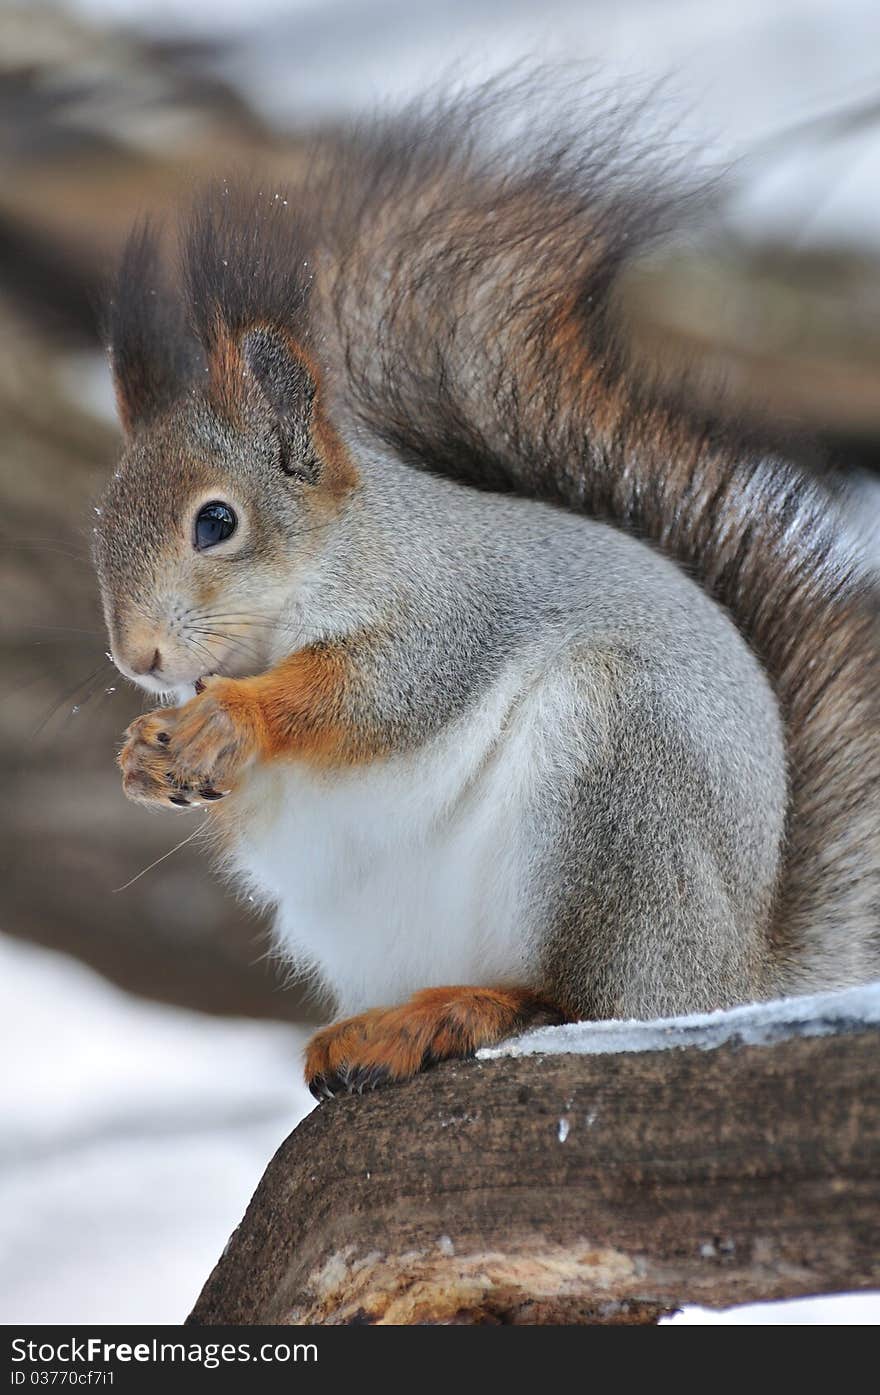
x: 145, y: 1093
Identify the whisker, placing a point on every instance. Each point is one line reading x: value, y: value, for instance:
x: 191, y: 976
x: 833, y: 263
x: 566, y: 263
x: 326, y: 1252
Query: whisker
x: 72, y: 693
x: 237, y: 641
x: 205, y: 624
x: 21, y: 682
x: 226, y: 614
x: 169, y: 853
x: 271, y: 626
x: 88, y: 697
x: 221, y: 634
x: 241, y: 617
x: 202, y: 648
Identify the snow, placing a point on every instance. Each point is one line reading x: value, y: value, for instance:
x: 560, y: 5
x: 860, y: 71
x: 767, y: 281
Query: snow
x: 837, y: 1310
x: 134, y: 1136
x: 757, y: 1024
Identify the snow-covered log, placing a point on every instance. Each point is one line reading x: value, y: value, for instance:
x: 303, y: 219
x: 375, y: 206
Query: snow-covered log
x: 594, y: 1173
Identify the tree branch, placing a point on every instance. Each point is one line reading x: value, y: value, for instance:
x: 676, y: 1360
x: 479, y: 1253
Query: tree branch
x: 574, y: 1188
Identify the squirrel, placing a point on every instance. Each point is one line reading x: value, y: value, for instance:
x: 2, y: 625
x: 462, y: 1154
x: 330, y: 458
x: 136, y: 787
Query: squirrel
x: 522, y: 695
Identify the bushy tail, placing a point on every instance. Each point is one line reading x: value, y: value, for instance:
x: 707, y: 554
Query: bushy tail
x: 457, y: 277
x: 470, y: 282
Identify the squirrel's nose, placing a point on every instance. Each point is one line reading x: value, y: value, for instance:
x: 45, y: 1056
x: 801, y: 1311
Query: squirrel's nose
x: 147, y: 665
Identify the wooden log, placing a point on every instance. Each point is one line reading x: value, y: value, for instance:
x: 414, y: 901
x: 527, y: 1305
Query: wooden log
x: 573, y: 1189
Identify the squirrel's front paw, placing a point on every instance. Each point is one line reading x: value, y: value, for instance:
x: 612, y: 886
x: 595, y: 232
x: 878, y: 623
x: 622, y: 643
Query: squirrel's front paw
x: 184, y: 756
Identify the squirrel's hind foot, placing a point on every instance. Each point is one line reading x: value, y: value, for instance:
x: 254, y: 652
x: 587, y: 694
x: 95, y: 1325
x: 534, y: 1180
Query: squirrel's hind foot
x: 437, y: 1024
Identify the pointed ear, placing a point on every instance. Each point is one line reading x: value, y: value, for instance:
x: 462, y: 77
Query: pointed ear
x: 288, y: 384
x: 153, y: 356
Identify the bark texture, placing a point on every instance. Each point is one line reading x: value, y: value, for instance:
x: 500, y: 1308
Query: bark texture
x: 570, y: 1189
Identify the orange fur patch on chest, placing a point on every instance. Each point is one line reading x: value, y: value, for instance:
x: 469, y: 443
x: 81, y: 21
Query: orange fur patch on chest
x: 299, y: 709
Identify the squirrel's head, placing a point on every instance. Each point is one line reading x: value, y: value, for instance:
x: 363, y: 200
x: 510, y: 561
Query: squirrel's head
x: 229, y: 479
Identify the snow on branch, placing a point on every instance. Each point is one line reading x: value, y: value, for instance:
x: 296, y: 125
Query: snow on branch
x: 602, y: 1173
x: 819, y: 1015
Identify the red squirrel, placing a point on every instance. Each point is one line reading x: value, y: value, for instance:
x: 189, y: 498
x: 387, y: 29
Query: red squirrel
x: 518, y: 693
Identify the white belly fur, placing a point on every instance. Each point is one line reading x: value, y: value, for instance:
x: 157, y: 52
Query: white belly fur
x: 410, y: 872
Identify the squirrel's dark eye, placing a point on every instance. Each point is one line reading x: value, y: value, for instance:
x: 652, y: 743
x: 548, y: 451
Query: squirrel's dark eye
x: 214, y: 524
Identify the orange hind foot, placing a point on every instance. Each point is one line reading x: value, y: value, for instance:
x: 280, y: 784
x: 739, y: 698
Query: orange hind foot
x: 437, y: 1024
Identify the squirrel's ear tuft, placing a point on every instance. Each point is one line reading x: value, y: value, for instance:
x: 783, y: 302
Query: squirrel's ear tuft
x: 288, y: 386
x: 153, y: 356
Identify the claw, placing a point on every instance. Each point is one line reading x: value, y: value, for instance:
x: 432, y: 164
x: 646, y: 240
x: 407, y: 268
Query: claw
x: 178, y: 800
x: 320, y: 1088
x: 365, y: 1078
